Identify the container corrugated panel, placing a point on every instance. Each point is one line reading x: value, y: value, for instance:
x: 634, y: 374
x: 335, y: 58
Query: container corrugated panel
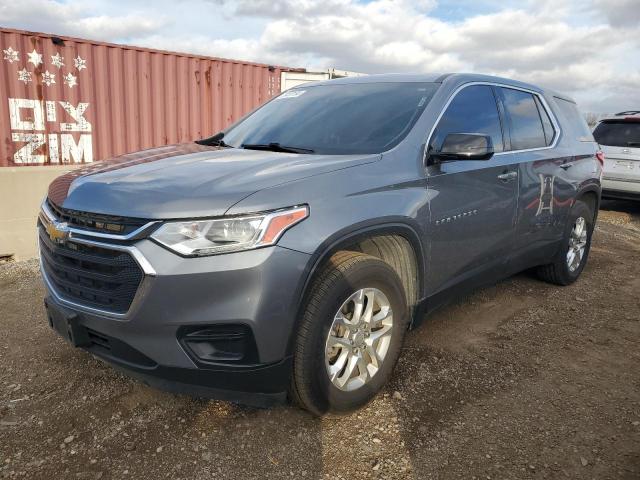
x: 65, y: 100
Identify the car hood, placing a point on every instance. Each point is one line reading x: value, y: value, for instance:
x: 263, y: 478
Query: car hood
x: 186, y: 180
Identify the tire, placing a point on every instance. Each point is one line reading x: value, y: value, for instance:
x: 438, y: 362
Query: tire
x: 345, y: 275
x: 558, y: 272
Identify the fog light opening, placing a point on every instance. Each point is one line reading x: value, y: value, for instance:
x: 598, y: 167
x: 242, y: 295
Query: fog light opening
x: 226, y: 344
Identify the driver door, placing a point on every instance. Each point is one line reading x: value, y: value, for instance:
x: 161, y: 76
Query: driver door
x: 473, y: 203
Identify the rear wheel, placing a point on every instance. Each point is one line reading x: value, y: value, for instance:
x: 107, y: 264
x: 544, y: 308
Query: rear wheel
x: 351, y: 334
x: 574, y: 251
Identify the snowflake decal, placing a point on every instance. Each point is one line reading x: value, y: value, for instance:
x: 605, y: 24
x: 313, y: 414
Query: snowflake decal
x: 10, y: 55
x: 48, y: 78
x: 35, y: 57
x: 70, y: 80
x: 24, y: 76
x: 56, y: 60
x: 79, y: 63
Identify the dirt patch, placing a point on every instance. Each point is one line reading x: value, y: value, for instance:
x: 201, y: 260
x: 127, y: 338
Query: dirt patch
x: 620, y: 212
x: 520, y: 380
x: 469, y: 324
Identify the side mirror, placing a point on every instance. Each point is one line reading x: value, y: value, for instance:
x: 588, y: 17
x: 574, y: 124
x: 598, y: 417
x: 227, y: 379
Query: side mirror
x: 464, y: 146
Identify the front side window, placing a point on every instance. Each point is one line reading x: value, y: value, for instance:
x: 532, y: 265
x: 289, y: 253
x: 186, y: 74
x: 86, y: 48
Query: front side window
x: 618, y: 133
x: 340, y: 118
x: 472, y: 110
x: 525, y: 123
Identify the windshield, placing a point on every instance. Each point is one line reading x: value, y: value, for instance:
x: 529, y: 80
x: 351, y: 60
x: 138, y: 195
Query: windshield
x: 618, y: 133
x: 336, y: 119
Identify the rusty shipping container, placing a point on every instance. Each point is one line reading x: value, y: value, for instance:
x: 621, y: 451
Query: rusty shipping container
x: 67, y: 100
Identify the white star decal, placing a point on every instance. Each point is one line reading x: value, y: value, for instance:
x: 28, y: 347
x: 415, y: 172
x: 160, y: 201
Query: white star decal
x: 24, y: 76
x: 10, y: 55
x: 56, y: 60
x: 79, y: 63
x: 70, y: 80
x: 35, y: 57
x: 48, y: 78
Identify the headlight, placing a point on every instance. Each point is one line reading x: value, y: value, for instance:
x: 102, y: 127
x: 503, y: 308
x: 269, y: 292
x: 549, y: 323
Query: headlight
x: 223, y: 235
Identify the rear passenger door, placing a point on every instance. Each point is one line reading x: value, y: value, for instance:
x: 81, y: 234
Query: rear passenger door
x: 472, y: 202
x: 545, y: 194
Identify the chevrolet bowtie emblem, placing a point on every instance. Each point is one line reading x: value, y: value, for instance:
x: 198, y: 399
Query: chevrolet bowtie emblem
x: 58, y: 231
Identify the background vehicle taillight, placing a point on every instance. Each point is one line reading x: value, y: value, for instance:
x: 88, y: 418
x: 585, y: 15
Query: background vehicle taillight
x: 600, y: 157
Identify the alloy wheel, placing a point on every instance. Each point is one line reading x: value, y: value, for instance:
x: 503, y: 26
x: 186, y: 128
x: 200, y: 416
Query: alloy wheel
x: 359, y: 339
x: 577, y: 244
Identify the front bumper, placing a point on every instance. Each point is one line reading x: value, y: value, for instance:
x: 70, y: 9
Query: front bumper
x: 257, y: 289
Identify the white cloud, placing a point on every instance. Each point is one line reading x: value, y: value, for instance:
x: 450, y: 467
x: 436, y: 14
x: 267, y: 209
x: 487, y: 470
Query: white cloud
x: 588, y: 49
x: 290, y: 8
x: 619, y: 13
x: 540, y: 45
x: 77, y: 19
x: 119, y: 26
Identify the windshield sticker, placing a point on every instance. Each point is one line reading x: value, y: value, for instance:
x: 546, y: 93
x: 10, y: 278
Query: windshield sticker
x: 291, y: 94
x: 422, y: 100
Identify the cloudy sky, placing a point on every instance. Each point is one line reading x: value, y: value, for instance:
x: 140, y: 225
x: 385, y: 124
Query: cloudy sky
x: 589, y: 49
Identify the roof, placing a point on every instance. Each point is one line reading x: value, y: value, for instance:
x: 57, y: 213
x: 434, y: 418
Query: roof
x: 456, y: 78
x: 382, y: 78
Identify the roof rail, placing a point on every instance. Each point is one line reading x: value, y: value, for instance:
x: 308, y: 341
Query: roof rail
x: 629, y: 112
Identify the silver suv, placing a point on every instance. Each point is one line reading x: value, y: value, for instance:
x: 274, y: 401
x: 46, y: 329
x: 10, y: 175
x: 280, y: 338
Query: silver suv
x: 619, y: 137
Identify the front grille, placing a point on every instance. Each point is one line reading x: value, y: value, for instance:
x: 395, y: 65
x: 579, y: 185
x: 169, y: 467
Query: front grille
x: 96, y: 222
x: 91, y: 276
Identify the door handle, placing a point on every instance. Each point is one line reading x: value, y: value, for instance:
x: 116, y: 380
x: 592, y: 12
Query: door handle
x: 567, y: 165
x: 505, y: 177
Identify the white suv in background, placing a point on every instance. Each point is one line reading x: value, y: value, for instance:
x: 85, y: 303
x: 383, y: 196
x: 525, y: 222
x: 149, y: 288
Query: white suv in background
x: 619, y: 137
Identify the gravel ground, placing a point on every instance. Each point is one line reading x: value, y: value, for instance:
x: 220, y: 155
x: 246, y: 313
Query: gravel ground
x: 520, y: 380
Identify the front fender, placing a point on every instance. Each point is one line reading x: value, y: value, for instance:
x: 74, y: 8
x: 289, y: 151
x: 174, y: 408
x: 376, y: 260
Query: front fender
x: 345, y: 206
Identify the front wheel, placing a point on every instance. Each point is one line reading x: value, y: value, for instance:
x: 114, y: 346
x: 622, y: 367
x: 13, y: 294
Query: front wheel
x: 351, y: 334
x: 574, y: 250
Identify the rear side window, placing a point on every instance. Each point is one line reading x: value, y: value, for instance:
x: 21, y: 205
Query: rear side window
x: 618, y: 133
x: 547, y: 125
x: 525, y: 123
x: 576, y: 124
x: 472, y: 110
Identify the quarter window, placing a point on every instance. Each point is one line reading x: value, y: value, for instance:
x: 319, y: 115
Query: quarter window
x: 575, y: 122
x: 525, y: 123
x: 472, y: 110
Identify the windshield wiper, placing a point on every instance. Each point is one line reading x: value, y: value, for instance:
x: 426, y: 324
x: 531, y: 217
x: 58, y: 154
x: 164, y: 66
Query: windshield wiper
x: 275, y: 147
x: 213, y: 141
